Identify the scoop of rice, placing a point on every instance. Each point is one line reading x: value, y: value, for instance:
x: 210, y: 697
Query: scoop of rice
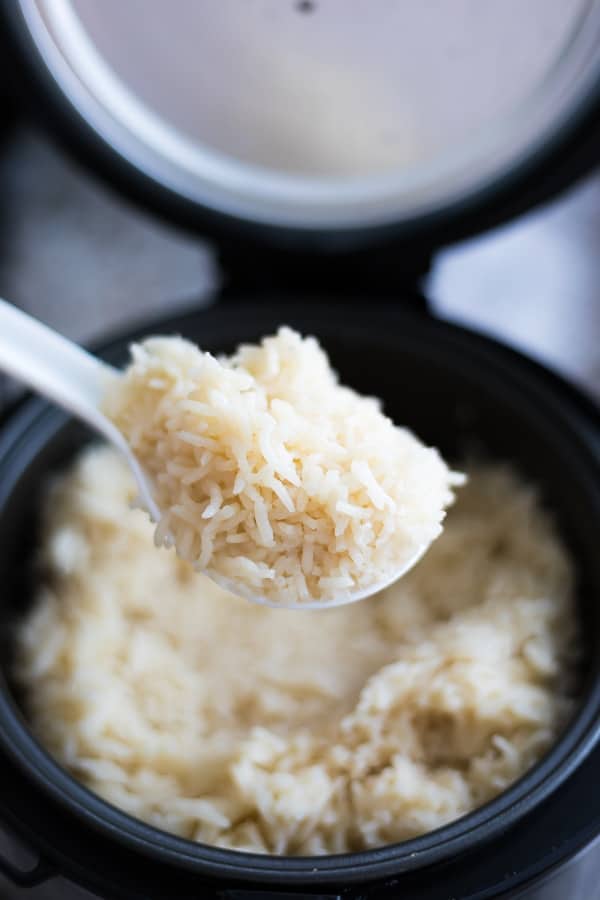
x: 284, y: 732
x: 273, y: 478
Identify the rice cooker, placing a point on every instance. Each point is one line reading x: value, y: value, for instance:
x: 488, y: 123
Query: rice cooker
x: 328, y: 148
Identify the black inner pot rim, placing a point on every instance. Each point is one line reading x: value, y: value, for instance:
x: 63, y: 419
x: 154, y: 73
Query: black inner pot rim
x: 481, y: 825
x: 465, y: 833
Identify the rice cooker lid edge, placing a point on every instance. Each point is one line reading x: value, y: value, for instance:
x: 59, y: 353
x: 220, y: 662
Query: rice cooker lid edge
x: 569, y: 152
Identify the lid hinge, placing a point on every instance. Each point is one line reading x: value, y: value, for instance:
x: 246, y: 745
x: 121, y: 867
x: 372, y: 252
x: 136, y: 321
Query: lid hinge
x: 382, y: 276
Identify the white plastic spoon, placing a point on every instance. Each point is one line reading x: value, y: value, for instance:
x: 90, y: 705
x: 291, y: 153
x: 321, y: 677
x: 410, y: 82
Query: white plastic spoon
x: 67, y: 375
x: 76, y: 380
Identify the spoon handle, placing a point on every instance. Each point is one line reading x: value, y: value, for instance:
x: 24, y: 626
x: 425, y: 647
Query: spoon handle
x: 67, y: 375
x: 53, y: 365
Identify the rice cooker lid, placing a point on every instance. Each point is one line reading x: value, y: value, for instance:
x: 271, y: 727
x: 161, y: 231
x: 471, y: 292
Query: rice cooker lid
x: 308, y: 124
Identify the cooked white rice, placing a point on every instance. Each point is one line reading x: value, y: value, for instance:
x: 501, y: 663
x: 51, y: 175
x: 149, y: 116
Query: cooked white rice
x: 271, y: 477
x: 298, y: 732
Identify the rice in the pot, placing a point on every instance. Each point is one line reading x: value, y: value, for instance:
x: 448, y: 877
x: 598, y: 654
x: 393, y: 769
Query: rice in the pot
x: 298, y: 732
x: 273, y: 478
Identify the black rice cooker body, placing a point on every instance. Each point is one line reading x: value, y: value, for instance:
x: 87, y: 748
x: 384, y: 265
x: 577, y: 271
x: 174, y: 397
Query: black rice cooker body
x: 460, y: 391
x: 463, y: 392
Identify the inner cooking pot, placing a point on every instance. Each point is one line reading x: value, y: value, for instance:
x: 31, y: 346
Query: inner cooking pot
x: 459, y: 391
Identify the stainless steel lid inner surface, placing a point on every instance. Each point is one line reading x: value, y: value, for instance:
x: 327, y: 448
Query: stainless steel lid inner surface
x: 322, y: 113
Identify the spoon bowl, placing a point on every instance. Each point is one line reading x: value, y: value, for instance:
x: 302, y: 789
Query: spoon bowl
x: 343, y: 600
x: 76, y: 380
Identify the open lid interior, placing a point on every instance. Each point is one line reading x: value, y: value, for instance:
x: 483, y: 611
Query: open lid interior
x: 320, y: 122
